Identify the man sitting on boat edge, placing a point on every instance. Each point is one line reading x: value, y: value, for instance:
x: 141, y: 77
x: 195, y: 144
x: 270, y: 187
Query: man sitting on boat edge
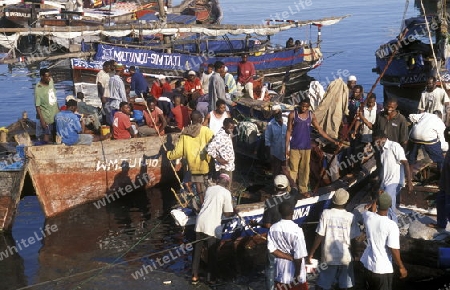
x: 70, y: 128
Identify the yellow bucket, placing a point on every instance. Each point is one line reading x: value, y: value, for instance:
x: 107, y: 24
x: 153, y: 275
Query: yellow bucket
x: 105, y: 130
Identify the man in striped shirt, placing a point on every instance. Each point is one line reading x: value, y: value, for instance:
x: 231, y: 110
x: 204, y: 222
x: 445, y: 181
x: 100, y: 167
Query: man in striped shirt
x: 286, y: 242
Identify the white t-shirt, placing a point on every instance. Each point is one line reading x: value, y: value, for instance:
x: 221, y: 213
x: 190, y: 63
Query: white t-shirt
x: 392, y: 169
x: 381, y: 234
x: 217, y: 201
x: 371, y: 116
x: 427, y: 127
x: 430, y: 102
x: 339, y: 227
x: 287, y: 237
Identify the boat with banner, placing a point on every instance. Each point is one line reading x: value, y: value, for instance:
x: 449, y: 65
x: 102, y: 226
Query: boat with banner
x: 274, y: 64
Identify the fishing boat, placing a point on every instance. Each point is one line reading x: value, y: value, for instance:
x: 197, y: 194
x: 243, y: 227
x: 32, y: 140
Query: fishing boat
x: 275, y: 64
x: 416, y: 54
x: 306, y: 210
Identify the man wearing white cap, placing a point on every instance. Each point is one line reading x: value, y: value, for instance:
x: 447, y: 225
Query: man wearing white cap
x: 335, y: 230
x: 193, y: 86
x: 351, y: 83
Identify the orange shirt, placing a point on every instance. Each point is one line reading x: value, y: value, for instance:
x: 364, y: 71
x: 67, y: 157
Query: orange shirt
x: 181, y: 115
x: 155, y: 116
x: 156, y: 90
x: 121, y: 125
x: 195, y: 86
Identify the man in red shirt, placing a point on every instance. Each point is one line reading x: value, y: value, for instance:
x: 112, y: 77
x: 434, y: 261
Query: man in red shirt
x: 160, y: 86
x: 180, y: 113
x: 155, y: 123
x: 245, y: 71
x: 193, y: 86
x: 122, y: 128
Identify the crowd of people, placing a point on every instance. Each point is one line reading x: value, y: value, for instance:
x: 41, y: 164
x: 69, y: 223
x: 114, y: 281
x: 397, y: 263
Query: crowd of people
x: 200, y: 109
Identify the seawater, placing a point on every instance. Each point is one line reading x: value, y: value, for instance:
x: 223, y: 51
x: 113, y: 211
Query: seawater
x: 89, y: 237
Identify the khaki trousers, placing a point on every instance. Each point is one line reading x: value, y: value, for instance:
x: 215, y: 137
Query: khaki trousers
x: 299, y: 168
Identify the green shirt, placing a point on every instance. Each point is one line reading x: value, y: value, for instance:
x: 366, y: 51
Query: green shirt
x: 45, y: 98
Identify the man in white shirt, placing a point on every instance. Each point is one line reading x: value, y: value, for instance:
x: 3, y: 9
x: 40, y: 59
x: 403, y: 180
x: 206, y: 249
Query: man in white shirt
x: 433, y: 98
x: 335, y: 229
x: 383, y: 244
x: 427, y: 132
x: 286, y: 242
x: 208, y: 228
x: 394, y: 168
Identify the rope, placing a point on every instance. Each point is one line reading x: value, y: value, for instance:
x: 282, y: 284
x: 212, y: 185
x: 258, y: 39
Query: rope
x: 404, y: 15
x: 431, y: 44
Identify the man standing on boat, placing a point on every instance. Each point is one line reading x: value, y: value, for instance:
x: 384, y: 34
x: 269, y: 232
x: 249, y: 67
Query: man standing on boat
x: 117, y: 94
x: 217, y: 86
x: 46, y: 105
x: 192, y: 147
x: 394, y: 168
x: 245, y: 72
x: 214, y: 119
x: 298, y: 148
x: 286, y: 242
x: 391, y: 122
x: 102, y: 82
x: 443, y: 196
x: 433, y: 98
x: 208, y: 228
x: 335, y: 230
x: 138, y: 83
x: 221, y: 149
x: 205, y: 78
x: 427, y: 133
x: 383, y: 244
x: 272, y: 215
x: 275, y: 141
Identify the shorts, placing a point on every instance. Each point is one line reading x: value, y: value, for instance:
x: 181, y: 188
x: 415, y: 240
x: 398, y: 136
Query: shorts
x: 342, y: 274
x: 84, y: 139
x: 199, y: 178
x: 48, y: 130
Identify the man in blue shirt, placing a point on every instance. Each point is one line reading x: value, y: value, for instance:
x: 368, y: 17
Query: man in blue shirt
x: 69, y: 127
x: 275, y: 141
x: 138, y: 82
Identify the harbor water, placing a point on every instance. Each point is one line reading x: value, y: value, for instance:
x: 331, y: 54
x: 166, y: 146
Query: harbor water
x: 107, y: 246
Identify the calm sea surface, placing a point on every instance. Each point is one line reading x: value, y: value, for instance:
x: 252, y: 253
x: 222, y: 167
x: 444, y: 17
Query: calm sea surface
x: 89, y: 238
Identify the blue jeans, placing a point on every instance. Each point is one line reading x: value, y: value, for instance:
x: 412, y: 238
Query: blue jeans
x: 270, y: 271
x: 433, y: 150
x: 443, y: 209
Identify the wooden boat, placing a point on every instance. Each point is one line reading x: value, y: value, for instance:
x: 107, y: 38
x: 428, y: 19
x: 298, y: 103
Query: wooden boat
x: 66, y: 176
x: 306, y: 210
x: 406, y: 75
x: 10, y: 191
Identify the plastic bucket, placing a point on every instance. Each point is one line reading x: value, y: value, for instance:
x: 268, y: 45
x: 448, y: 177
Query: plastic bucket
x: 105, y: 130
x: 444, y: 258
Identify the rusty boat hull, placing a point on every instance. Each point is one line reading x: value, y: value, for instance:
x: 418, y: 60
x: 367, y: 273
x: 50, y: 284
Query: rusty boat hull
x: 66, y: 176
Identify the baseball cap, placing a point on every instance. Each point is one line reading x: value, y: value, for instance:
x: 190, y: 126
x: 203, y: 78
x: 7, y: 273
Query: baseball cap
x: 281, y: 181
x: 351, y: 78
x: 384, y: 201
x: 191, y: 73
x: 340, y: 196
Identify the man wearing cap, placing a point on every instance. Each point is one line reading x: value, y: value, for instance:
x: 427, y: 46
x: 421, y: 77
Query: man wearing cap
x: 117, y: 94
x: 351, y: 83
x: 272, y: 215
x: 245, y: 72
x: 383, y: 244
x: 138, y: 83
x: 286, y: 242
x: 275, y: 140
x: 335, y: 230
x: 221, y: 148
x: 193, y: 86
x: 394, y: 168
x: 70, y: 127
x: 208, y: 228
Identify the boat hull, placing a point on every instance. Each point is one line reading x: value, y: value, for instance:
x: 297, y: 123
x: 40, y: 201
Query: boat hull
x: 10, y: 190
x: 66, y: 176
